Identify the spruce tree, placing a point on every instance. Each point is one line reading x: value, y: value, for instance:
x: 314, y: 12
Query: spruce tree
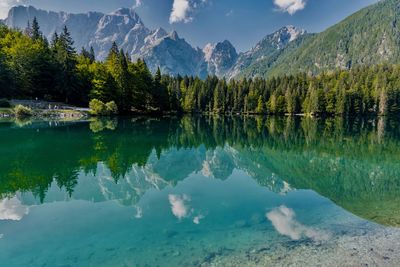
x: 92, y: 55
x: 36, y: 33
x: 65, y: 55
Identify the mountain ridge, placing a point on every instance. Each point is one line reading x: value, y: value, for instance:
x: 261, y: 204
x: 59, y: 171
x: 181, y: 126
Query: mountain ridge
x: 123, y: 26
x: 369, y: 36
x: 174, y: 55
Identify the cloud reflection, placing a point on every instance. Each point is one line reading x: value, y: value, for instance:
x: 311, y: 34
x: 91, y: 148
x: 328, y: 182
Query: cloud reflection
x: 12, y: 209
x: 196, y: 219
x: 283, y: 219
x: 181, y: 209
x: 139, y: 212
x: 179, y: 205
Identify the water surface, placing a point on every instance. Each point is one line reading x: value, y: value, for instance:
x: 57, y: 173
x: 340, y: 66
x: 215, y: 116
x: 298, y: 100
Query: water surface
x: 200, y: 191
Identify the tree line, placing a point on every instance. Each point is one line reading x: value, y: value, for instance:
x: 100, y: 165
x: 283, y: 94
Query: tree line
x: 32, y: 67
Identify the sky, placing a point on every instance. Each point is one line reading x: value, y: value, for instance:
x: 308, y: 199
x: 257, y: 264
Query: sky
x: 243, y: 22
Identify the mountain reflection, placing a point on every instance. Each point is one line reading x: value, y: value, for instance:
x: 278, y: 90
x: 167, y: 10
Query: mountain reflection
x: 355, y: 162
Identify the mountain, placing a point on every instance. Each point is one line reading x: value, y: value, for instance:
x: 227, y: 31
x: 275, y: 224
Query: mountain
x: 159, y: 49
x: 223, y: 60
x: 261, y: 66
x: 91, y: 29
x: 174, y: 56
x: 370, y: 36
x: 220, y: 57
x: 123, y: 26
x: 266, y: 51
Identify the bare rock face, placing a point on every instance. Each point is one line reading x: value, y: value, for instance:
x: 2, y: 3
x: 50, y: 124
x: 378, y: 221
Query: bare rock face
x: 271, y: 44
x: 220, y: 57
x: 172, y: 54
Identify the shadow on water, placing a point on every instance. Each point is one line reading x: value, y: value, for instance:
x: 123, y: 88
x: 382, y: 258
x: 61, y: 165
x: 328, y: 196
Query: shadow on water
x: 353, y: 162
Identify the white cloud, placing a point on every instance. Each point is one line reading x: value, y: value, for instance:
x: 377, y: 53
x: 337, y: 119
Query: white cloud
x: 137, y: 4
x: 5, y: 6
x: 12, y: 209
x: 283, y: 220
x: 178, y: 205
x: 180, y: 11
x: 183, y: 10
x: 290, y: 6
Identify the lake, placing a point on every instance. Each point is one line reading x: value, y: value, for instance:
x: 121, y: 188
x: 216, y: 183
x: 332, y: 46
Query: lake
x: 200, y: 191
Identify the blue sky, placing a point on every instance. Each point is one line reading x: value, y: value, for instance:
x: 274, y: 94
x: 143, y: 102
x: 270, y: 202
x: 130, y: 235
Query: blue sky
x: 243, y: 22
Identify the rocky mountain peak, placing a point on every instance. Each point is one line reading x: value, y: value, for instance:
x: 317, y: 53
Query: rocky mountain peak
x: 174, y: 36
x: 220, y: 57
x: 288, y: 34
x: 281, y: 38
x: 155, y: 36
x: 224, y: 49
x: 129, y: 14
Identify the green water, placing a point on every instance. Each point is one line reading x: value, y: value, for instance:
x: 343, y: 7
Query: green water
x: 200, y: 191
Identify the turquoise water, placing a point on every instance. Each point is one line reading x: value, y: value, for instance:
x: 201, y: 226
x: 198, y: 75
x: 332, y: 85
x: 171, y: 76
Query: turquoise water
x: 200, y: 191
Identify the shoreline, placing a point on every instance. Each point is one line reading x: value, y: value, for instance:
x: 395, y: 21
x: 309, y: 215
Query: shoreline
x: 46, y: 114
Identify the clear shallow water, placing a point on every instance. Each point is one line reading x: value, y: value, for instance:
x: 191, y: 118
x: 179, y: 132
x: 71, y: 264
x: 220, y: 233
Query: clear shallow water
x: 200, y: 192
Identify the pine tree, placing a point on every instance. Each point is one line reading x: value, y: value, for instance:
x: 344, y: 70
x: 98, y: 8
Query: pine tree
x: 36, y: 33
x: 65, y: 55
x: 159, y: 92
x: 92, y: 55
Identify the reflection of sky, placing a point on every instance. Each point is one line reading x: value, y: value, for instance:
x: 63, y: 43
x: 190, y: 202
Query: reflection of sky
x: 171, y: 217
x: 12, y: 209
x: 283, y: 219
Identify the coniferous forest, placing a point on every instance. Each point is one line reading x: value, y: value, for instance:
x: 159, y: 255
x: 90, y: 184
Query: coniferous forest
x: 32, y: 67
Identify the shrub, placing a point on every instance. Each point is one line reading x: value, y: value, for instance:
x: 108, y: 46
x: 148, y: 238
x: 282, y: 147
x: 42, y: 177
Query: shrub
x: 98, y: 108
x: 21, y: 111
x: 4, y: 103
x: 112, y: 108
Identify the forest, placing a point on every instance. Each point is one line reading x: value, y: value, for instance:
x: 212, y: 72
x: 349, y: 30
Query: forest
x: 31, y: 67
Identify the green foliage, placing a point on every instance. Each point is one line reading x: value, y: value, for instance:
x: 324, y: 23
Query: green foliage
x: 98, y: 108
x: 32, y: 68
x: 21, y: 111
x: 260, y: 106
x: 112, y: 108
x: 370, y: 36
